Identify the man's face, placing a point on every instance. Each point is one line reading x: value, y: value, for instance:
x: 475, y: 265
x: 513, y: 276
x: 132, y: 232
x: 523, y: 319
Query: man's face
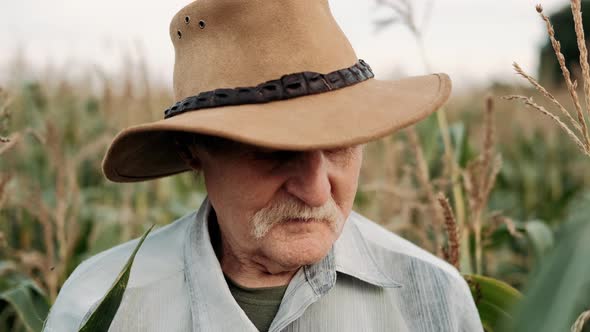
x: 281, y: 206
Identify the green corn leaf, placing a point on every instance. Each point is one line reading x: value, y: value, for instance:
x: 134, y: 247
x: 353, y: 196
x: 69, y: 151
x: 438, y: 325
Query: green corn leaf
x: 494, y: 300
x: 560, y: 291
x: 540, y: 237
x: 100, y: 320
x: 29, y: 303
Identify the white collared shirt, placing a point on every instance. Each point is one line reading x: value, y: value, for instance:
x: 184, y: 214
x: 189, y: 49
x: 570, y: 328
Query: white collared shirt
x: 372, y: 280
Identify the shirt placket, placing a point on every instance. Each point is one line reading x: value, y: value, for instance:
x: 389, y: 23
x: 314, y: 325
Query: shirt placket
x: 308, y: 285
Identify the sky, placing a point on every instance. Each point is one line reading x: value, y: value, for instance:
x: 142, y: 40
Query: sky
x: 474, y: 41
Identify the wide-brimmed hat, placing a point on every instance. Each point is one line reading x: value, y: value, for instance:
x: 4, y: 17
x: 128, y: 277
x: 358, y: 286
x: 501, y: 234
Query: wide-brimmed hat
x: 276, y: 74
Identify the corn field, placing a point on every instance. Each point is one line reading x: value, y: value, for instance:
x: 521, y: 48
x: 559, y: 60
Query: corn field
x: 497, y: 183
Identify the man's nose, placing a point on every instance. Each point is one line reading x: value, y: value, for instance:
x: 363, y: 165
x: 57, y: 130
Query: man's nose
x: 308, y: 179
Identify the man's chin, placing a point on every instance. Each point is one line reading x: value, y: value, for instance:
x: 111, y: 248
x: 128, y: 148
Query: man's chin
x: 297, y: 257
x: 297, y: 245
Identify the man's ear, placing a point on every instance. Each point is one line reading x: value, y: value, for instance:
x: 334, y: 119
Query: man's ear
x: 187, y: 155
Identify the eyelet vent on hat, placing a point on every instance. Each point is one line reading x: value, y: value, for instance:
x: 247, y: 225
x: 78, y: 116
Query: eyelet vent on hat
x: 179, y: 33
x: 187, y: 20
x: 202, y: 24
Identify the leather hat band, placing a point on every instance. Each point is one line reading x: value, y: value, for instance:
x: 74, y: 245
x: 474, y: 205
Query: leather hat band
x: 287, y: 87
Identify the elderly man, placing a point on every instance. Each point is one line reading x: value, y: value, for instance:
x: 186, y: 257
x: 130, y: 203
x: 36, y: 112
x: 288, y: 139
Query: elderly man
x: 274, y: 109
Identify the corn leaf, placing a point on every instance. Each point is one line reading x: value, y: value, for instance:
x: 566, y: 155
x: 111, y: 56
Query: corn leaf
x: 29, y: 303
x: 540, y: 237
x: 559, y: 293
x: 494, y: 300
x: 100, y: 320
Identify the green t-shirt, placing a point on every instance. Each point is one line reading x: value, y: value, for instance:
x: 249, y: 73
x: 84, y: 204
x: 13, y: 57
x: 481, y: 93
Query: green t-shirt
x: 259, y: 304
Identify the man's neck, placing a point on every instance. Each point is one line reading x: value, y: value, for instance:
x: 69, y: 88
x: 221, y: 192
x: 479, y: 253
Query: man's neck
x: 249, y: 273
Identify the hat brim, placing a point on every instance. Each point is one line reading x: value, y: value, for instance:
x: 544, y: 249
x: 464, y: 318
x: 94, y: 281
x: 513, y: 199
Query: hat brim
x: 353, y: 115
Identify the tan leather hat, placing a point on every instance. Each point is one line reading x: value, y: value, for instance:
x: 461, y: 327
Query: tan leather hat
x: 277, y: 74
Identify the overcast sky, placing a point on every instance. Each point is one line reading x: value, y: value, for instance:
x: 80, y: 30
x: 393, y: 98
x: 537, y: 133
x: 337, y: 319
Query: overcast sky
x: 472, y: 40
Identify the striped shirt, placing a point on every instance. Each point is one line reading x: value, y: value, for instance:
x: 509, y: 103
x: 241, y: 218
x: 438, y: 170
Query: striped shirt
x: 371, y: 280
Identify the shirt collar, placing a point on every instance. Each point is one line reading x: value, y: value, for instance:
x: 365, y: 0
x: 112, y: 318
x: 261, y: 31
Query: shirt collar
x: 354, y: 256
x: 351, y: 255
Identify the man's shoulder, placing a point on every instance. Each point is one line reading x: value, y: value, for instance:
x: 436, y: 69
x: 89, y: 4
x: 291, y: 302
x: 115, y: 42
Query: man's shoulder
x: 160, y: 256
x: 432, y: 292
x: 390, y: 249
x: 161, y: 251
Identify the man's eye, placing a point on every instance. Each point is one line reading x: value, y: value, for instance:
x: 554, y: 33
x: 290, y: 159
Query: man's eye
x: 274, y: 155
